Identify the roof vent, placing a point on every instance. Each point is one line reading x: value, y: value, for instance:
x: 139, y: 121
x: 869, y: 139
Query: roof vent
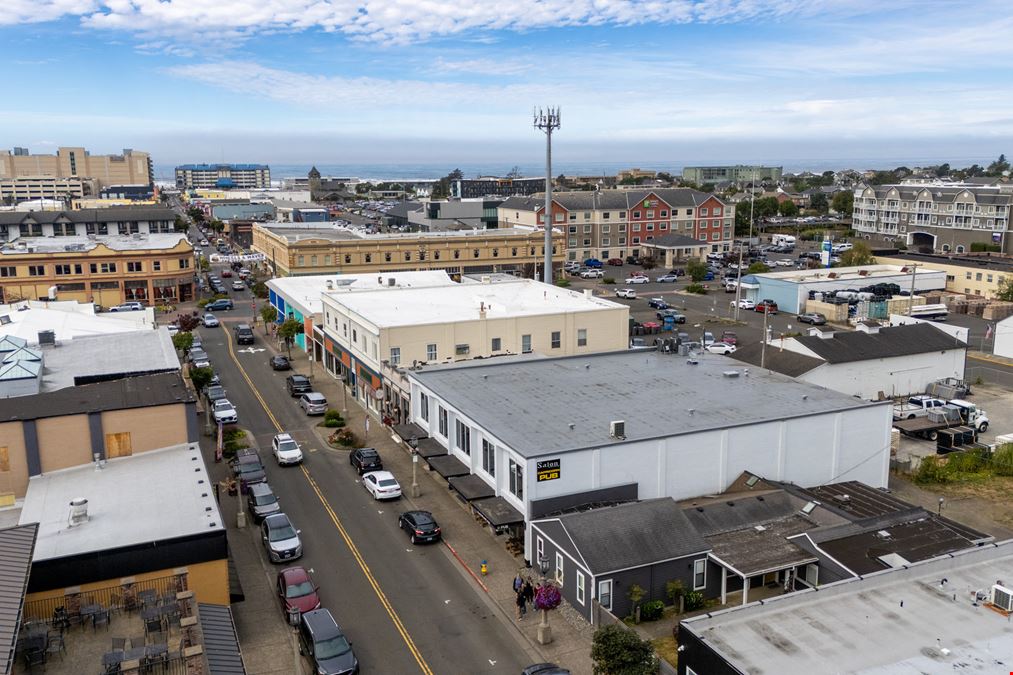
x: 759, y: 528
x: 330, y: 284
x: 78, y: 512
x: 391, y: 282
x: 617, y: 429
x: 842, y: 499
x: 47, y: 337
x: 731, y: 373
x: 883, y: 534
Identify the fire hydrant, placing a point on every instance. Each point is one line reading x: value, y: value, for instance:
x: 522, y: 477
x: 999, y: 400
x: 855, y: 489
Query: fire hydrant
x: 484, y: 568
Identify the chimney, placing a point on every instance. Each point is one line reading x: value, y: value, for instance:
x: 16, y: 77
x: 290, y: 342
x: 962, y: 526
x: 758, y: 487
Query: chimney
x: 330, y: 285
x: 481, y: 311
x: 78, y: 512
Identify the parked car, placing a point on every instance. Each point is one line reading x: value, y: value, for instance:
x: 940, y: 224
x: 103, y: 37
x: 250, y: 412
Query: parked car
x: 261, y: 501
x: 297, y: 590
x: 545, y: 669
x: 766, y: 306
x: 199, y: 358
x: 286, y: 450
x: 729, y: 337
x: 313, y: 403
x: 297, y: 384
x: 219, y: 305
x: 132, y: 306
x: 420, y: 526
x: 744, y: 304
x: 637, y: 280
x: 593, y: 263
x: 280, y: 362
x: 657, y: 303
x: 225, y: 412
x: 280, y: 538
x: 814, y: 318
x: 720, y: 348
x: 364, y: 460
x: 172, y: 328
x: 667, y: 278
x: 204, y: 242
x: 210, y: 320
x: 676, y: 317
x: 248, y: 470
x: 626, y: 293
x: 215, y: 392
x: 244, y: 334
x: 238, y: 285
x: 783, y: 262
x: 381, y: 484
x: 571, y: 266
x: 226, y: 274
x: 708, y: 338
x: 592, y: 274
x: 323, y: 643
x: 616, y: 262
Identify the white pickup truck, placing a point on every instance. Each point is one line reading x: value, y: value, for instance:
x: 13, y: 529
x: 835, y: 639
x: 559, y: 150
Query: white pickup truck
x: 916, y: 406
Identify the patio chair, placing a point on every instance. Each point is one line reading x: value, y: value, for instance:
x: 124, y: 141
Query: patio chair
x: 35, y: 657
x: 136, y: 642
x: 101, y: 618
x: 56, y: 644
x: 153, y: 625
x: 116, y: 602
x: 172, y: 621
x: 119, y: 644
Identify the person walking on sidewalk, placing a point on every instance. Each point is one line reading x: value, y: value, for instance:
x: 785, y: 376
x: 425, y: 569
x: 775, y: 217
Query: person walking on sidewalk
x: 528, y: 591
x: 521, y: 605
x: 518, y: 583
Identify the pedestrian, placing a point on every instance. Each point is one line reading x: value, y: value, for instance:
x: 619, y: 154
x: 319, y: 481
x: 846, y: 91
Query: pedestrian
x: 519, y: 601
x: 518, y: 583
x: 529, y: 593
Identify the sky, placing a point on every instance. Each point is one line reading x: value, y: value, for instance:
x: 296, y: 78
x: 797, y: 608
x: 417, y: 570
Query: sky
x: 423, y: 81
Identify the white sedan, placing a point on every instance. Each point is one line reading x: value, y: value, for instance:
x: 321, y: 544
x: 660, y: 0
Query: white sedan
x: 720, y: 348
x: 625, y: 293
x: 382, y: 485
x: 286, y: 450
x: 784, y: 262
x: 745, y: 304
x: 638, y: 280
x: 592, y: 274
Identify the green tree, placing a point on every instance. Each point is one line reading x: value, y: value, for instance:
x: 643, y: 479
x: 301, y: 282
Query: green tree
x: 757, y: 268
x: 818, y: 202
x: 942, y: 170
x: 1005, y: 289
x: 259, y: 290
x: 617, y: 650
x: 860, y: 254
x: 787, y: 208
x: 696, y: 270
x: 180, y: 225
x: 997, y: 167
x: 707, y: 187
x: 201, y: 377
x: 287, y: 331
x: 204, y: 264
x: 195, y: 214
x: 665, y: 176
x: 269, y: 313
x: 843, y: 203
x: 217, y: 225
x: 182, y: 341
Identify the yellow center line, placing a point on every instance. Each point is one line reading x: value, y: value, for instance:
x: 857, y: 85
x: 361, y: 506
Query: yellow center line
x: 423, y: 666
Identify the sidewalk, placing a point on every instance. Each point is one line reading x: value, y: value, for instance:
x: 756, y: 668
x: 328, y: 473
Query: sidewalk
x: 467, y: 539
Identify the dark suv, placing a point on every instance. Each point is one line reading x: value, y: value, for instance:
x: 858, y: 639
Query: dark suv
x: 244, y: 334
x: 321, y: 640
x: 365, y: 459
x: 261, y: 501
x: 248, y: 470
x: 298, y: 384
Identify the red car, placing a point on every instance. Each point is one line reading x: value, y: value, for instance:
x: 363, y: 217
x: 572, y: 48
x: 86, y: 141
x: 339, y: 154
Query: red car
x: 226, y: 274
x: 296, y: 590
x: 618, y: 262
x: 729, y: 338
x: 766, y: 306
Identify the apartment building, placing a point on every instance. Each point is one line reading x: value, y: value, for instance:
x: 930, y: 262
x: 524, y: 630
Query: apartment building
x: 617, y: 223
x: 242, y: 176
x: 28, y: 188
x: 130, y: 167
x: 972, y: 274
x: 315, y: 248
x: 935, y: 218
x: 738, y: 173
x: 493, y: 185
x: 82, y: 222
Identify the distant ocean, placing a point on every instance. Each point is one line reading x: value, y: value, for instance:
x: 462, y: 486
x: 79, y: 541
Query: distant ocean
x: 395, y: 172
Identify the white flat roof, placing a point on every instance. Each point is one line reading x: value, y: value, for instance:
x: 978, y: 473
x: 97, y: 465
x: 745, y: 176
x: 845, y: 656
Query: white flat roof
x: 306, y: 291
x: 69, y: 320
x: 872, y: 272
x: 115, y: 242
x: 463, y: 302
x: 151, y: 496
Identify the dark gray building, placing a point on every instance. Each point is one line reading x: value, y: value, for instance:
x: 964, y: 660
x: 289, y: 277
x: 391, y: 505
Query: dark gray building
x: 492, y: 185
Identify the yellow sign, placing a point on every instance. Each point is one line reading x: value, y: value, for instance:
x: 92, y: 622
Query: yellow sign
x: 547, y: 470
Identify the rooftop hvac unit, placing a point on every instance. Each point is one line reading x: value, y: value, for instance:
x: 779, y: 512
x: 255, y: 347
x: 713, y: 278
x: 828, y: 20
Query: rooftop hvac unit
x: 617, y: 429
x: 78, y: 512
x: 47, y: 337
x: 1002, y: 598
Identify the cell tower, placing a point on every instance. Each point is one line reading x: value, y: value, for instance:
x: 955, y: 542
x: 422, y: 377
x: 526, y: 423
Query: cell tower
x: 548, y: 120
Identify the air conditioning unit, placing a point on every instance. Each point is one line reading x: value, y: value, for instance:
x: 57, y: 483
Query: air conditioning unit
x: 617, y: 429
x: 1002, y: 598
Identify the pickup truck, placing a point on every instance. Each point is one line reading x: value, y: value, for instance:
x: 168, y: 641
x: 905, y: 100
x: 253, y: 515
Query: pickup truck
x: 916, y: 406
x: 954, y: 414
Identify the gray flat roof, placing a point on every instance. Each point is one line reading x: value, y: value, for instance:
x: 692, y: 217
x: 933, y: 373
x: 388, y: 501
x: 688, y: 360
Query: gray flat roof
x: 148, y: 497
x: 136, y: 352
x: 919, y: 619
x: 295, y: 232
x: 529, y: 404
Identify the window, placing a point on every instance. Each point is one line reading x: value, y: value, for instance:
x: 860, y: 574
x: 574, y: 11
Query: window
x: 605, y: 593
x: 525, y: 344
x: 558, y: 573
x: 650, y: 214
x: 580, y: 588
x: 387, y: 256
x: 424, y: 407
x: 436, y: 255
x: 457, y: 254
x: 443, y: 421
x: 431, y: 352
x: 556, y: 342
x: 703, y: 212
x: 581, y: 337
x: 572, y: 229
x: 36, y: 270
x: 495, y: 253
x: 587, y: 215
x: 604, y: 229
x: 137, y: 266
x: 497, y: 344
x: 967, y: 275
x: 348, y: 258
x: 699, y: 574
x: 488, y: 457
x: 395, y: 356
x: 369, y: 257
x: 587, y: 229
x: 606, y: 215
x: 977, y: 277
x: 636, y: 215
x: 184, y: 263
x: 474, y: 253
x: 8, y: 271
x: 156, y: 265
x: 513, y: 251
x: 407, y: 256
x: 516, y: 480
x: 118, y: 445
x: 539, y: 549
x: 463, y: 436
x: 622, y: 214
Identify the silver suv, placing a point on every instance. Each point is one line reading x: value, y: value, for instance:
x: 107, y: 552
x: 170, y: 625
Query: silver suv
x: 313, y: 403
x: 281, y: 539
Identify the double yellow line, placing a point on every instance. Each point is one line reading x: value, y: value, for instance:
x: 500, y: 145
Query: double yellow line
x: 391, y: 612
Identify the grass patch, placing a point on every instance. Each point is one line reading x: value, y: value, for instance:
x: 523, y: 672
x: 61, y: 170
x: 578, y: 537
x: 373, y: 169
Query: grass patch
x: 667, y: 649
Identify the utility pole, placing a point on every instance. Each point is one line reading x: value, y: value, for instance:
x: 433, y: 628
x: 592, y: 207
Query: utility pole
x: 548, y: 120
x: 763, y: 348
x: 911, y: 297
x: 738, y: 282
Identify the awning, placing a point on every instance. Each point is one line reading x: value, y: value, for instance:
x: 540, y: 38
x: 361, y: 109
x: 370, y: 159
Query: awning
x: 406, y: 431
x: 221, y: 644
x: 235, y: 587
x: 448, y: 466
x: 472, y: 487
x: 497, y: 511
x: 429, y: 447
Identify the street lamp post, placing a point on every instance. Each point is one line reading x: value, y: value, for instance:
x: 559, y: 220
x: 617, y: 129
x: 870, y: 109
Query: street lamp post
x: 544, y: 629
x: 413, y: 443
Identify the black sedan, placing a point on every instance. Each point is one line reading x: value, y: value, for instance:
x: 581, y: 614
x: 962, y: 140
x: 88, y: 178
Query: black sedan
x: 365, y: 459
x: 280, y: 362
x: 814, y: 318
x: 420, y: 526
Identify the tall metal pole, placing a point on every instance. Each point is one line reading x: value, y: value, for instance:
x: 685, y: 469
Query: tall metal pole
x: 547, y: 120
x: 763, y: 348
x: 738, y: 282
x: 911, y: 297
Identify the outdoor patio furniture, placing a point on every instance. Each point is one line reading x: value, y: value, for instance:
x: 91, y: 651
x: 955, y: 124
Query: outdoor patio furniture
x: 56, y: 644
x: 119, y: 644
x: 111, y: 660
x: 148, y: 596
x: 100, y: 618
x: 88, y: 611
x: 35, y: 657
x: 157, y: 653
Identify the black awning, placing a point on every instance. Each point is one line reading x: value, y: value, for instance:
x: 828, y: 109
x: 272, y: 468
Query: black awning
x: 472, y: 487
x: 448, y: 466
x: 406, y: 431
x: 497, y: 511
x: 429, y: 447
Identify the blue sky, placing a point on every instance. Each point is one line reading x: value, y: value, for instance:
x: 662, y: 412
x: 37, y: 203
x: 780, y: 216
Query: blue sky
x: 291, y: 81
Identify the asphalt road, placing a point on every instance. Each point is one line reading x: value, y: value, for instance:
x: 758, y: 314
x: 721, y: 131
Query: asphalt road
x: 406, y: 609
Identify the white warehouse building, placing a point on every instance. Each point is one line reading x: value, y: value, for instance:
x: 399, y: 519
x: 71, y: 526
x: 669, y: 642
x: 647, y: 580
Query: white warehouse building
x: 526, y: 438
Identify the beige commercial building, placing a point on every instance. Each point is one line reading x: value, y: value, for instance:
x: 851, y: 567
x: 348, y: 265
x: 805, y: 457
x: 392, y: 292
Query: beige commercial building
x: 374, y: 337
x: 129, y: 168
x: 970, y: 274
x: 319, y: 248
x: 28, y: 188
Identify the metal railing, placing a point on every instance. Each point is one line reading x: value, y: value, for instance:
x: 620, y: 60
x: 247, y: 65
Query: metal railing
x: 122, y: 597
